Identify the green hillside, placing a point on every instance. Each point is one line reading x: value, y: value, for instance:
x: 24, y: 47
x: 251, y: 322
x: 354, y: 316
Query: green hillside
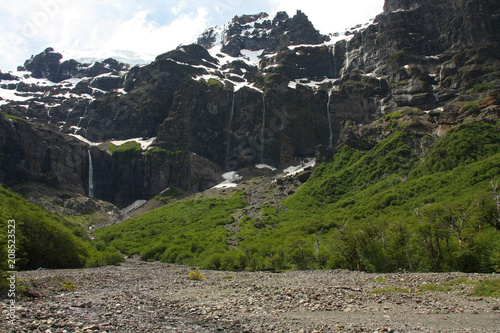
x: 45, y: 239
x: 384, y: 209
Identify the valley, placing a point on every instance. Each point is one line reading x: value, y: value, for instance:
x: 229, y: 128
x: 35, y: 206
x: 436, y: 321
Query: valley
x: 321, y: 182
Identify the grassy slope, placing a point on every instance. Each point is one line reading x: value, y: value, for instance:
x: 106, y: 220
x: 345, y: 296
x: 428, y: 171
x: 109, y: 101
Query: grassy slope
x: 381, y: 210
x: 187, y: 232
x: 45, y: 239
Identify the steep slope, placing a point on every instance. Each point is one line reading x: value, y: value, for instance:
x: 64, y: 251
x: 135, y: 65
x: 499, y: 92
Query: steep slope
x: 378, y: 210
x: 46, y: 240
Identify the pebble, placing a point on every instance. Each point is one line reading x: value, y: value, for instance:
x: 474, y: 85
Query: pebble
x: 148, y: 297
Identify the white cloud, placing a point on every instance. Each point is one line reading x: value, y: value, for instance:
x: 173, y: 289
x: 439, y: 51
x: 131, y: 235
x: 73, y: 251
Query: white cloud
x: 333, y: 15
x: 29, y: 26
x: 141, y: 35
x: 180, y: 6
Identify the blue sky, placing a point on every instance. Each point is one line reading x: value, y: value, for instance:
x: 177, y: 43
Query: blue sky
x: 145, y: 27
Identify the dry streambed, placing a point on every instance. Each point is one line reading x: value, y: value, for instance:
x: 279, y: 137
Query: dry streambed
x: 155, y: 297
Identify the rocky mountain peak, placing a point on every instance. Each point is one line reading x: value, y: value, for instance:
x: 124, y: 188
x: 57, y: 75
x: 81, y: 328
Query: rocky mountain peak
x: 245, y: 19
x: 48, y: 65
x: 44, y: 65
x: 259, y: 32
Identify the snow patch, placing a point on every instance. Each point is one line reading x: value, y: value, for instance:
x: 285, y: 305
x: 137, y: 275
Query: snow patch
x: 145, y: 143
x: 308, y: 162
x: 230, y: 180
x: 11, y: 95
x: 136, y: 205
x: 252, y: 56
x: 81, y: 138
x: 265, y: 166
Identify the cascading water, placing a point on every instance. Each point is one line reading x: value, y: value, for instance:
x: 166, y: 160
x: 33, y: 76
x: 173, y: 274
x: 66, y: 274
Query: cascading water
x: 330, y: 140
x: 263, y: 126
x: 334, y: 62
x: 363, y: 49
x: 441, y: 74
x: 346, y: 60
x: 91, y: 176
x: 81, y: 118
x: 229, y: 130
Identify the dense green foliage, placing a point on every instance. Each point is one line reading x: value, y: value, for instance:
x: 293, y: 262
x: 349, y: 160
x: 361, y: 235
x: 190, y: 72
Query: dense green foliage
x: 127, y: 151
x: 188, y: 232
x: 379, y: 210
x: 46, y: 240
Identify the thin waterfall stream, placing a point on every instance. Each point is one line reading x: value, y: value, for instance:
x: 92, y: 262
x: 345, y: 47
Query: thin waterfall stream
x: 330, y: 141
x: 229, y: 130
x: 263, y: 126
x: 91, y: 176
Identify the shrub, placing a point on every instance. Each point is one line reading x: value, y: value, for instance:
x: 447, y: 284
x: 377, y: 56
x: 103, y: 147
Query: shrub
x: 196, y: 275
x: 393, y: 116
x: 480, y: 87
x: 215, y: 82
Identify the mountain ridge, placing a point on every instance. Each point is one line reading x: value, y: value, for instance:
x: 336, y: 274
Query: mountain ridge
x: 274, y: 110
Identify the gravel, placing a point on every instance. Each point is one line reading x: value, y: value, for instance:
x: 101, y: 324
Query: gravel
x: 156, y: 297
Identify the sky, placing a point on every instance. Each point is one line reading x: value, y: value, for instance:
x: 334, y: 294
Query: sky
x: 146, y: 28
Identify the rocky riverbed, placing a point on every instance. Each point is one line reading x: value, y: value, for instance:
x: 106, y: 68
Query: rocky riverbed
x: 155, y: 297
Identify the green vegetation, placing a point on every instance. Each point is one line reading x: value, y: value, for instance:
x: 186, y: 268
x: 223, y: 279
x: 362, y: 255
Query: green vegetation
x: 8, y: 116
x: 381, y: 210
x: 481, y: 87
x: 487, y: 288
x: 187, y: 232
x: 44, y: 239
x: 127, y: 147
x: 448, y: 285
x: 215, y: 82
x: 472, y: 106
x: 67, y: 285
x: 196, y: 275
x: 393, y: 115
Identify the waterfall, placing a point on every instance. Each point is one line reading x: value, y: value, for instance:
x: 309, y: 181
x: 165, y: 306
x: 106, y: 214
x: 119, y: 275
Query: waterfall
x: 263, y: 126
x: 330, y: 141
x: 363, y: 49
x: 229, y: 128
x: 91, y: 176
x: 334, y: 62
x: 346, y: 59
x: 81, y: 118
x: 441, y: 74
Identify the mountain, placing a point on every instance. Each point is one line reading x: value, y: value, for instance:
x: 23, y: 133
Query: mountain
x: 258, y: 91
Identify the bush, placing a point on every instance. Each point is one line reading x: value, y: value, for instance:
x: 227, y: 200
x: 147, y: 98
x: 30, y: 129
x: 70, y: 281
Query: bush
x: 47, y: 240
x: 393, y: 116
x: 196, y: 275
x: 215, y: 82
x: 481, y: 87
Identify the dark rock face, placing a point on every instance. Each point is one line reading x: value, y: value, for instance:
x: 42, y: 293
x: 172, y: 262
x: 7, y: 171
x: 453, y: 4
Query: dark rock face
x: 424, y: 59
x: 44, y: 65
x: 34, y: 153
x: 259, y: 32
x: 125, y: 178
x: 48, y: 65
x: 7, y: 76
